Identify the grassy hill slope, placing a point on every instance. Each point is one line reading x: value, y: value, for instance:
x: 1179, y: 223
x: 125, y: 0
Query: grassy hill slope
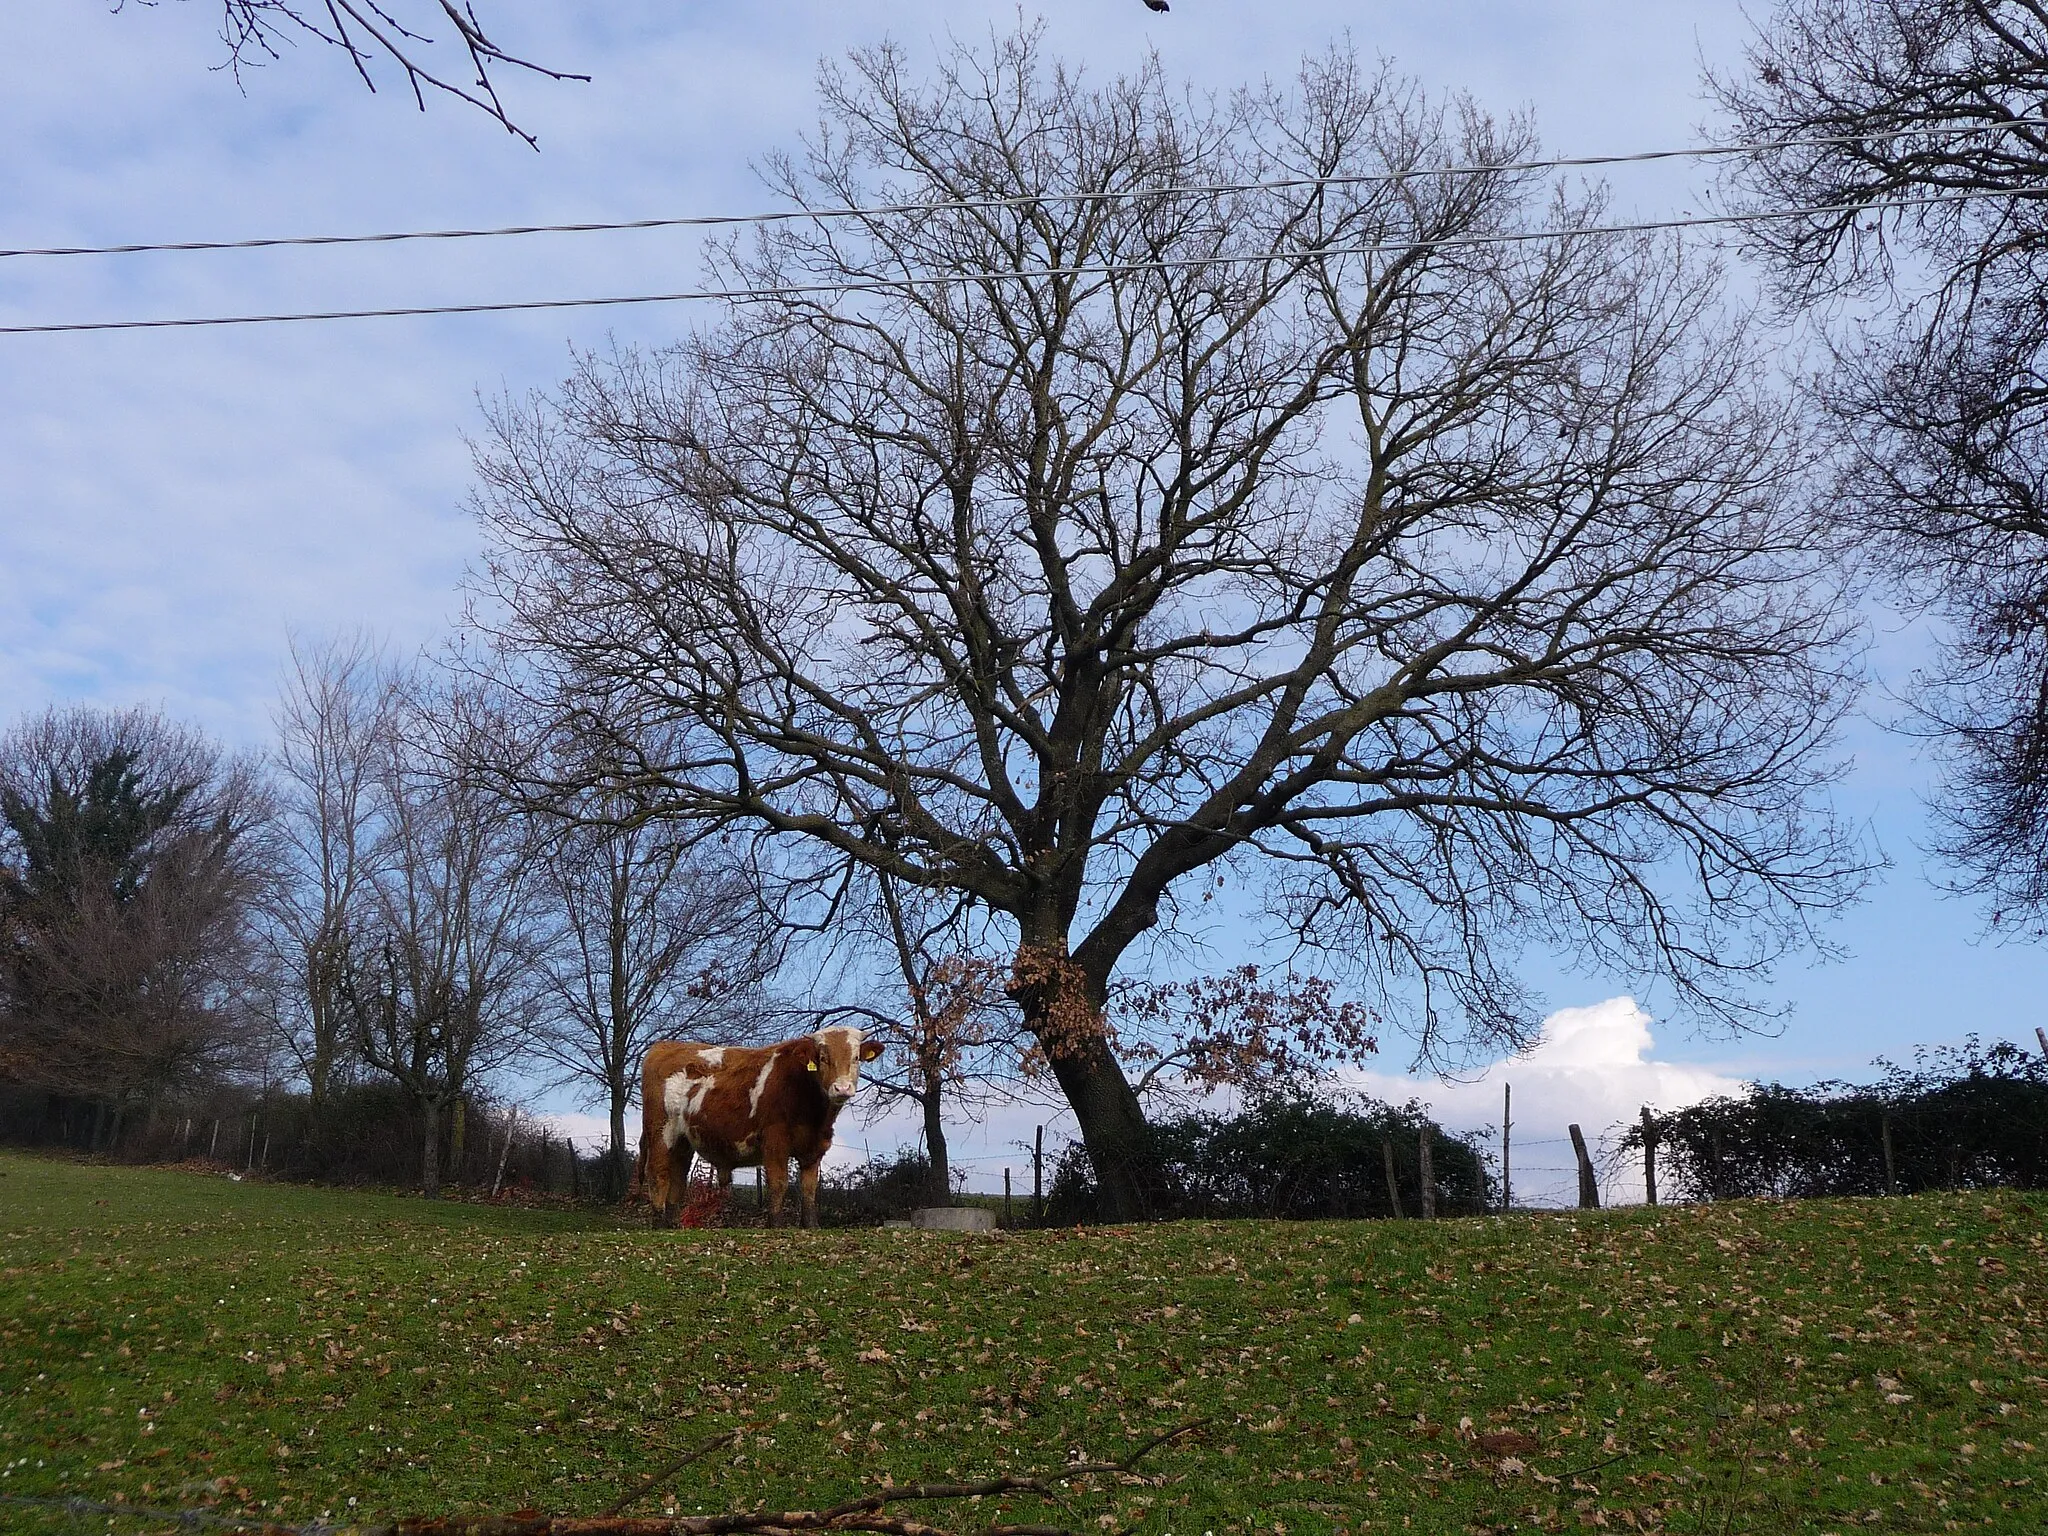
x: 177, y: 1339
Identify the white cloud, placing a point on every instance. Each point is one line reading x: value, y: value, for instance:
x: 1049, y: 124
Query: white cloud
x: 1591, y: 1067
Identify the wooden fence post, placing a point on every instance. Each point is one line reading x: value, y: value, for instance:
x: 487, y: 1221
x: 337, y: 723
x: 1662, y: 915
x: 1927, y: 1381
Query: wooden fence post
x: 1507, y: 1187
x: 1426, y: 1173
x: 1589, y: 1186
x: 1393, y: 1185
x: 2041, y: 1035
x: 1649, y: 1156
x: 1891, y: 1172
x: 1038, y: 1177
x: 213, y: 1146
x: 1006, y: 1198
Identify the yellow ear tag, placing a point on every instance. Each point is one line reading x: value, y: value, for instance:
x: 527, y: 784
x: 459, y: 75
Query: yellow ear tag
x: 811, y: 1066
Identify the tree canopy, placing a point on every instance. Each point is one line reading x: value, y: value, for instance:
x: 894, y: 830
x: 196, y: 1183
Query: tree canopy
x: 1143, y: 487
x: 1906, y: 169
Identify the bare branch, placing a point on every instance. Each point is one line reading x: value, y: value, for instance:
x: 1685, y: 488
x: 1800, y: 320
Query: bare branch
x: 255, y: 32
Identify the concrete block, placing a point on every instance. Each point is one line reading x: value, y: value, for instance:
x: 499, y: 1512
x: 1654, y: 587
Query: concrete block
x: 954, y: 1218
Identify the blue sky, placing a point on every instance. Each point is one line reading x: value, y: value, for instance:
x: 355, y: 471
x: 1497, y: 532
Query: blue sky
x: 174, y: 504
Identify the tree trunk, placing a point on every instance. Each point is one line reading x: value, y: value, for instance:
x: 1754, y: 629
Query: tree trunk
x: 935, y: 1146
x: 615, y: 1176
x: 1128, y: 1180
x: 457, y: 1138
x: 1130, y: 1184
x: 430, y: 1149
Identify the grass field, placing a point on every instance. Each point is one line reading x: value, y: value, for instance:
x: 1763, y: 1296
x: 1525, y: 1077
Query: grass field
x: 177, y: 1339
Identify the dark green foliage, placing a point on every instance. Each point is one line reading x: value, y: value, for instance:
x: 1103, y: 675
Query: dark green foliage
x: 1294, y: 1156
x: 1961, y: 1117
x: 97, y: 833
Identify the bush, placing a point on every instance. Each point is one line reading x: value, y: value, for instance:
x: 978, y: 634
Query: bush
x: 1292, y: 1156
x: 881, y: 1189
x: 1962, y: 1117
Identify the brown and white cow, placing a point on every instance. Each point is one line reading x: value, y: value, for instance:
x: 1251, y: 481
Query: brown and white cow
x: 745, y: 1107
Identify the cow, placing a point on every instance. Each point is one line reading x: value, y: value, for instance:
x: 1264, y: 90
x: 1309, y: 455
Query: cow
x: 741, y: 1106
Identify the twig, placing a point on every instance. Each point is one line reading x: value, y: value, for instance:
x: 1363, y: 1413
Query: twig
x: 667, y: 1472
x: 862, y: 1514
x: 1595, y: 1467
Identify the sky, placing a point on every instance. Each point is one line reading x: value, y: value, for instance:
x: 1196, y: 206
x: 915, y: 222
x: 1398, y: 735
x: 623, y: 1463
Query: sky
x: 175, y: 505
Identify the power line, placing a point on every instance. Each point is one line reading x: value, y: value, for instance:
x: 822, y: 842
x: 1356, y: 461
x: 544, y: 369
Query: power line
x: 958, y: 279
x: 1025, y: 200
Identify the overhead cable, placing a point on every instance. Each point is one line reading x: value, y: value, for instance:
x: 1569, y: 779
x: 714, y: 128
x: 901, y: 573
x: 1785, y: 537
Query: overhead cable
x: 1302, y: 254
x: 1025, y: 200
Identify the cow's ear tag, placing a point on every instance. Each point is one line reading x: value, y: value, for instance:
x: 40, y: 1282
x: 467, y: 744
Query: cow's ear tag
x: 811, y: 1066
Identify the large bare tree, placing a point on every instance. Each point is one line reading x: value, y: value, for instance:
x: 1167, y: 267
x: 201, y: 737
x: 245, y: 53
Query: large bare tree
x: 1151, y: 488
x: 1908, y: 170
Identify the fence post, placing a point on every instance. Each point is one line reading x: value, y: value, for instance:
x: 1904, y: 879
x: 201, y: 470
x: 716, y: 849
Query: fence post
x: 213, y: 1146
x: 2041, y: 1035
x: 1589, y: 1187
x: 1006, y: 1198
x: 1891, y: 1172
x: 1038, y: 1177
x: 1507, y: 1187
x: 1426, y: 1173
x: 574, y: 1169
x: 1393, y: 1185
x: 1649, y: 1156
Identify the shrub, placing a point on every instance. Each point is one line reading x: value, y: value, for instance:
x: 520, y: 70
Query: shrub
x: 1961, y: 1117
x: 1293, y: 1156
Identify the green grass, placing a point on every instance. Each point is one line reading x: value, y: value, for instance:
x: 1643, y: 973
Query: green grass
x: 170, y: 1338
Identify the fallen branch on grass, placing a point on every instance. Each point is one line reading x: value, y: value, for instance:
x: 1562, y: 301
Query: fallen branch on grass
x: 868, y: 1513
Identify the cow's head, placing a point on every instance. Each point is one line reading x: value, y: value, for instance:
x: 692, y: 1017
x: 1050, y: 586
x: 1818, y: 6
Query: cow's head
x: 836, y: 1058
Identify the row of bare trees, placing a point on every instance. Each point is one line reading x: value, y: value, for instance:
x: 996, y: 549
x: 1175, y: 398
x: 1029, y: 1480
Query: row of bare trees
x: 358, y: 903
x: 430, y: 931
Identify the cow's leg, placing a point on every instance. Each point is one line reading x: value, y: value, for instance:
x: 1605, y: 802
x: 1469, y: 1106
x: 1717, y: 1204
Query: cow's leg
x: 724, y: 1193
x: 808, y: 1179
x: 679, y: 1157
x: 650, y: 1173
x: 775, y: 1173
